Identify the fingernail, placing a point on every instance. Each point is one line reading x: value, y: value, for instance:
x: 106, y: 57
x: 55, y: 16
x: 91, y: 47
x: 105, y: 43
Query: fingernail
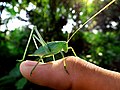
x: 32, y: 63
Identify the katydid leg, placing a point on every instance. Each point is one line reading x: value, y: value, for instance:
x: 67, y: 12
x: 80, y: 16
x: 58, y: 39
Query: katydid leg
x: 53, y: 57
x: 72, y: 51
x: 35, y: 42
x: 35, y: 37
x: 64, y: 62
x: 36, y: 65
x: 27, y: 45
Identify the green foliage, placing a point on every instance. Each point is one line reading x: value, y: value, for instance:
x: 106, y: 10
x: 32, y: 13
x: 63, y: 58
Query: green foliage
x: 50, y: 16
x: 9, y: 79
x: 104, y: 48
x: 20, y: 83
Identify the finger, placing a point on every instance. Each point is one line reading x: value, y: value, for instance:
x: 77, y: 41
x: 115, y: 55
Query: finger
x: 50, y: 74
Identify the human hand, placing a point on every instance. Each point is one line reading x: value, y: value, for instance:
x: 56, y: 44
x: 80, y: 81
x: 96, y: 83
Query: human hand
x: 82, y: 75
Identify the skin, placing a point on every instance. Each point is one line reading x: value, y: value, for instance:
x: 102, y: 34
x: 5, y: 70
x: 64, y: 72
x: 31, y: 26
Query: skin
x: 82, y: 75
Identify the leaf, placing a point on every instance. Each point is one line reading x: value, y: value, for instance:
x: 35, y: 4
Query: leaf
x: 21, y: 83
x: 11, y: 11
x: 6, y: 80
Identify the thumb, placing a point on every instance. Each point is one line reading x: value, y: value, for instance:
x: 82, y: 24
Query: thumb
x: 51, y: 74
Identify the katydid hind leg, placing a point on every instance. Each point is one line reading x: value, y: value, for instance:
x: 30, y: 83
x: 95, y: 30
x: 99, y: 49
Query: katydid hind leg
x: 28, y: 42
x: 35, y: 42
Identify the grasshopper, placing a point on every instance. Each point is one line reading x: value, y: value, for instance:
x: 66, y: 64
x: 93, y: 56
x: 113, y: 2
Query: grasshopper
x: 51, y: 48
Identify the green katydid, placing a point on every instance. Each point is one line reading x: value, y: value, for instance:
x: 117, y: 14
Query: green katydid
x: 48, y: 49
x: 51, y: 48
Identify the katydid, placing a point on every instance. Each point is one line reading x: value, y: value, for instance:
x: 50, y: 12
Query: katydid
x: 51, y: 48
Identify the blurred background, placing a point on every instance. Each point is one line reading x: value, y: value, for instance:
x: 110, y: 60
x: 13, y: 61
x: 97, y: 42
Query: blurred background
x: 98, y: 42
